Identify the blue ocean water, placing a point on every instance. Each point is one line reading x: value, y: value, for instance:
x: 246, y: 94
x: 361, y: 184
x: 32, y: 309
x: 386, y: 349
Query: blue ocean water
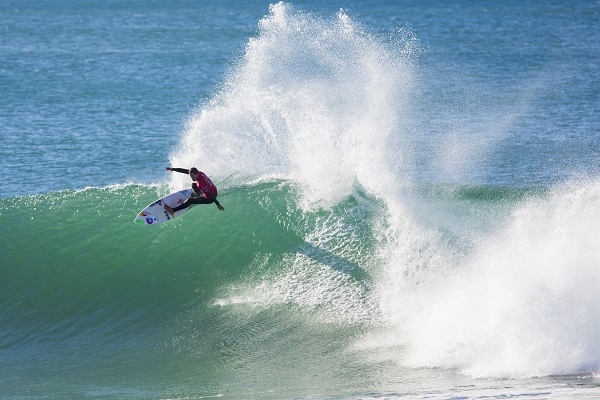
x: 412, y: 194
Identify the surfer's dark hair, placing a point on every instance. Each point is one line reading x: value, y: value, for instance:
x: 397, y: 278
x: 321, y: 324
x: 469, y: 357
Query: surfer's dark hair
x: 194, y: 170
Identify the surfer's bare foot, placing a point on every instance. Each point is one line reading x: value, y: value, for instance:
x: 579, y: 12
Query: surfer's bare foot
x: 169, y: 210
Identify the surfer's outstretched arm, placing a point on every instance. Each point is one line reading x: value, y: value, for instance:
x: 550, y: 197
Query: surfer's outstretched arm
x: 182, y: 170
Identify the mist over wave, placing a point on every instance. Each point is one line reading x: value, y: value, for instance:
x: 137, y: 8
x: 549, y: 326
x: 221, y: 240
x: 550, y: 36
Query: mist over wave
x: 316, y: 100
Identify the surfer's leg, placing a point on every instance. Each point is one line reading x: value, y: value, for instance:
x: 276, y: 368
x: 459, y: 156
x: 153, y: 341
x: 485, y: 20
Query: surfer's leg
x: 195, y: 200
x: 172, y: 211
x: 185, y: 204
x: 189, y: 202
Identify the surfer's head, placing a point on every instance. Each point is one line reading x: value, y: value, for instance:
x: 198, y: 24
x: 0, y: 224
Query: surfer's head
x: 194, y: 173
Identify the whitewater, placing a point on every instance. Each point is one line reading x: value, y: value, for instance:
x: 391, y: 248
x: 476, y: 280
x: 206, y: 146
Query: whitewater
x: 501, y: 303
x: 375, y: 244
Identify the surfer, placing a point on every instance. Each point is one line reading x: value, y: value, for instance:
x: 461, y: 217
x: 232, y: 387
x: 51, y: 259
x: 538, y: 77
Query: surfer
x: 205, y: 192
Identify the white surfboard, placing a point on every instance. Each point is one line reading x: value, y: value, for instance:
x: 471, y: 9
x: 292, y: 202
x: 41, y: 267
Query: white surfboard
x: 155, y: 212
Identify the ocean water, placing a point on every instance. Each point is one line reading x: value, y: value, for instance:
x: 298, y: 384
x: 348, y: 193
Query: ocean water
x: 412, y: 195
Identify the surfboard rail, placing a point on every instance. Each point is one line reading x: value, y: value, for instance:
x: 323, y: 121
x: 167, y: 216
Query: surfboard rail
x: 155, y: 213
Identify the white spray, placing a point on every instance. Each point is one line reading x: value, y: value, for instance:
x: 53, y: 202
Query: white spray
x: 313, y: 100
